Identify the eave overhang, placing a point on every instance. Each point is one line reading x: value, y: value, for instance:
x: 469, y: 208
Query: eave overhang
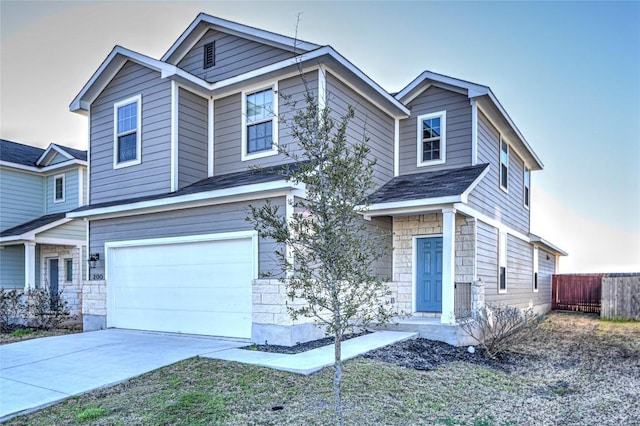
x: 539, y: 241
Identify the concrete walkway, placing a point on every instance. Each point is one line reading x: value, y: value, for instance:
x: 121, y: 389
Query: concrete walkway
x: 314, y: 360
x: 40, y: 372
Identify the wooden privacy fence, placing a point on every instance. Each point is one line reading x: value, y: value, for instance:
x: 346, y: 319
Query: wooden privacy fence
x: 577, y: 292
x: 621, y: 296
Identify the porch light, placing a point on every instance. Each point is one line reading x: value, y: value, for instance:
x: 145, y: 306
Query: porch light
x: 93, y: 259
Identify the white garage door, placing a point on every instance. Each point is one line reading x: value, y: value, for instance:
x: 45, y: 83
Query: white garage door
x: 201, y: 287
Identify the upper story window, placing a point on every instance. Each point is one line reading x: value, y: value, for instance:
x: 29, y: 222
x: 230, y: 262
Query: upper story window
x: 502, y: 267
x: 58, y: 189
x: 432, y: 138
x: 259, y: 123
x: 504, y: 164
x: 527, y: 187
x: 127, y: 128
x: 209, y: 59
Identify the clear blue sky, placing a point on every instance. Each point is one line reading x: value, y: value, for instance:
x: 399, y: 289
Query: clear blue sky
x: 568, y: 74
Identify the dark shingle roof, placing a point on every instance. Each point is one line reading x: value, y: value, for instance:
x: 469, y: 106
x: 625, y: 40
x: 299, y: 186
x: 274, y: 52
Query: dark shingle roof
x: 418, y: 186
x: 18, y: 153
x: 32, y: 224
x: 231, y: 180
x: 27, y: 155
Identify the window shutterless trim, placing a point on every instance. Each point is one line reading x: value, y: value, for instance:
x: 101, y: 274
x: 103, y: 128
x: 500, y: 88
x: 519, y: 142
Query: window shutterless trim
x: 55, y: 180
x: 504, y: 165
x: 536, y: 268
x: 138, y: 131
x: 244, y: 150
x: 502, y: 261
x: 526, y: 190
x: 420, y: 141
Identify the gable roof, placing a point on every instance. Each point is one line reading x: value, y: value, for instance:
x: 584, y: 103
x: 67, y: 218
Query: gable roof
x: 432, y: 184
x: 486, y: 99
x: 31, y: 156
x: 17, y: 153
x: 33, y: 225
x: 205, y: 22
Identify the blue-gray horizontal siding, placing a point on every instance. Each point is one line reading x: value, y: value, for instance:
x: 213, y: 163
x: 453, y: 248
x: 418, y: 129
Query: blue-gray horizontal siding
x: 487, y: 197
x: 70, y: 192
x: 74, y: 230
x: 519, y: 277
x: 58, y: 158
x: 369, y: 121
x: 153, y: 175
x: 458, y: 131
x: 178, y: 223
x: 192, y: 138
x: 21, y: 197
x: 546, y: 269
x: 228, y: 125
x: 233, y: 56
x: 487, y: 257
x: 12, y: 267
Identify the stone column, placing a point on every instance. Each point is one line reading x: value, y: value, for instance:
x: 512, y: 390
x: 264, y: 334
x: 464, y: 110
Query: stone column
x: 29, y: 265
x: 448, y: 264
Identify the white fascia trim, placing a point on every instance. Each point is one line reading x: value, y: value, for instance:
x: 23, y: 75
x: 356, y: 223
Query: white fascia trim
x: 474, y: 132
x: 47, y: 169
x: 322, y: 89
x: 233, y: 27
x: 465, y: 195
x: 211, y: 136
x: 514, y: 128
x: 396, y: 147
x: 472, y: 89
x: 178, y: 201
x: 470, y: 211
x: 59, y: 241
x: 408, y: 207
x: 174, y: 136
x: 54, y: 147
x: 547, y: 245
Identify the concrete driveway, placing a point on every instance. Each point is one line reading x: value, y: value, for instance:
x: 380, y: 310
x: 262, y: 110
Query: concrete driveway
x: 36, y: 373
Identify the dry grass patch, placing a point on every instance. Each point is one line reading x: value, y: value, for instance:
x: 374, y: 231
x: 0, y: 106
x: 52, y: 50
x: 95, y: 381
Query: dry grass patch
x: 575, y: 370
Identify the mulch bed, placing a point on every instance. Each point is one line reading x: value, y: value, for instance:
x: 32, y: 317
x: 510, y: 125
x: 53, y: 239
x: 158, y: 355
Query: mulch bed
x: 301, y: 347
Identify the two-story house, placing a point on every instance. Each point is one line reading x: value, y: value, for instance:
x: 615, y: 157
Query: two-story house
x: 39, y: 245
x: 172, y: 143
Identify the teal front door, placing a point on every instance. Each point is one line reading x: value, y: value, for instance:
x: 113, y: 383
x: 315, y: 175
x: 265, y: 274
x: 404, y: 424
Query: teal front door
x: 429, y: 274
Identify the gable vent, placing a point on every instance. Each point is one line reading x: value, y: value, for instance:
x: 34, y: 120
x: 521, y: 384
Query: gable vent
x: 209, y: 54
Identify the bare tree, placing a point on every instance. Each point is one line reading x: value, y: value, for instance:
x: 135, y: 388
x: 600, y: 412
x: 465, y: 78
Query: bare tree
x: 331, y: 253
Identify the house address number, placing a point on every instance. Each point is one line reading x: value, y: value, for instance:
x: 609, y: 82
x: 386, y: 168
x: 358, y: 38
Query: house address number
x: 98, y: 277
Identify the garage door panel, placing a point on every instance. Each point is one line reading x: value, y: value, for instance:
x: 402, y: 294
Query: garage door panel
x: 200, y: 288
x: 205, y: 323
x: 194, y: 298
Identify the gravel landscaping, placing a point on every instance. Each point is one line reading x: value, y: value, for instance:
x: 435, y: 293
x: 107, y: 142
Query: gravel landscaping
x: 575, y: 370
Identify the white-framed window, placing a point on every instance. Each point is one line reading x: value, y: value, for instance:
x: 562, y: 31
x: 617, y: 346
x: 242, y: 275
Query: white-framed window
x: 432, y: 138
x: 58, y: 189
x: 68, y: 265
x: 535, y: 269
x: 127, y: 127
x: 504, y: 164
x: 527, y: 187
x: 260, y: 122
x: 502, y: 264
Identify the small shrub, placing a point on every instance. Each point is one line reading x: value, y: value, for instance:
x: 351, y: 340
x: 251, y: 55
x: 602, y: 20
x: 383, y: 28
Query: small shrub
x: 91, y: 413
x: 48, y: 310
x: 499, y: 328
x: 22, y: 332
x: 12, y: 309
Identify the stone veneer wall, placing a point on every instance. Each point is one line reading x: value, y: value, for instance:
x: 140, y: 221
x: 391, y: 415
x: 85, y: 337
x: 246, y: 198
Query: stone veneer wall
x: 94, y: 305
x: 71, y: 290
x: 404, y: 229
x: 271, y: 322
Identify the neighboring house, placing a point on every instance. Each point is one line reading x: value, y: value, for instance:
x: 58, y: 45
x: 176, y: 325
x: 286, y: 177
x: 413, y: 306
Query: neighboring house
x: 171, y: 146
x: 39, y: 245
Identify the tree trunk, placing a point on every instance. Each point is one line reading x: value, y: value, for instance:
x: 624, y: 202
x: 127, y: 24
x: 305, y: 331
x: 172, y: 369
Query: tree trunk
x: 337, y: 379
